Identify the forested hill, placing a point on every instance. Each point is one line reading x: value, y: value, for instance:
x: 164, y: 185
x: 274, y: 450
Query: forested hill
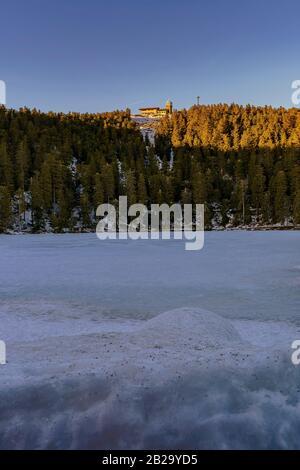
x: 242, y: 162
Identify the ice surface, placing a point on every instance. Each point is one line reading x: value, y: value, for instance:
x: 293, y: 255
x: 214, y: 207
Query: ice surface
x: 125, y: 344
x: 237, y: 274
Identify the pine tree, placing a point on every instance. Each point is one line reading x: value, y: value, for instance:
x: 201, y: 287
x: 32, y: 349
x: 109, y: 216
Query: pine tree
x: 257, y: 188
x: 130, y: 185
x: 296, y: 207
x: 46, y: 184
x: 21, y: 164
x: 5, y: 208
x: 38, y: 221
x: 239, y: 201
x: 199, y: 187
x: 108, y: 182
x: 85, y: 210
x: 21, y: 206
x: 141, y: 189
x: 280, y: 197
x: 99, y: 191
x: 6, y: 170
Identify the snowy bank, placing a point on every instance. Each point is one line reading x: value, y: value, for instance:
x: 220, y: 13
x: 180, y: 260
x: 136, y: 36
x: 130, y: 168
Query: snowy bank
x: 186, y: 378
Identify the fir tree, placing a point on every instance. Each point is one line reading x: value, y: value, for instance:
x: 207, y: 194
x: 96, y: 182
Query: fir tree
x: 5, y: 208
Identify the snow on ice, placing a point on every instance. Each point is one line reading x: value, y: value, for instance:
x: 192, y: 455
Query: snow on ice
x: 140, y: 344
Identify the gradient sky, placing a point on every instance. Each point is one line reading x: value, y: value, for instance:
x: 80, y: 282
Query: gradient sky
x: 99, y: 55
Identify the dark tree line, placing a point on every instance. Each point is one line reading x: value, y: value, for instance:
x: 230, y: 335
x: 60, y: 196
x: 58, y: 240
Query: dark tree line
x: 243, y: 163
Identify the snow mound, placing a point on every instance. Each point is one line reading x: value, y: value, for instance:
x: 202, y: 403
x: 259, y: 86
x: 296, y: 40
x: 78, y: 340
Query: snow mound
x: 185, y: 326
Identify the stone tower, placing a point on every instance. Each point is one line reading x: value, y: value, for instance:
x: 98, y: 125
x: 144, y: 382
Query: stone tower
x: 169, y: 107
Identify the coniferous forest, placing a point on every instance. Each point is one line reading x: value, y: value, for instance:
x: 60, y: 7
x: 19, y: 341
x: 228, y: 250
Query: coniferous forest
x: 243, y: 163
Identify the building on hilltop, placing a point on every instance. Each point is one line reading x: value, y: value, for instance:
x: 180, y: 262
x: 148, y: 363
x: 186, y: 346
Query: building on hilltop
x: 156, y: 112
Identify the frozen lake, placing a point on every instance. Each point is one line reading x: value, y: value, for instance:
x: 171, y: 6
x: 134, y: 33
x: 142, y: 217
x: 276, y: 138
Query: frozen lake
x: 99, y: 356
x: 253, y: 275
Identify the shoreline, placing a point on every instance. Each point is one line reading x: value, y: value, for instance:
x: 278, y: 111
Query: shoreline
x: 218, y: 229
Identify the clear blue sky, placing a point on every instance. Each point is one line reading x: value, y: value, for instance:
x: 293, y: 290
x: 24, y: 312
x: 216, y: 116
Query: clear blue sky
x: 98, y: 55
